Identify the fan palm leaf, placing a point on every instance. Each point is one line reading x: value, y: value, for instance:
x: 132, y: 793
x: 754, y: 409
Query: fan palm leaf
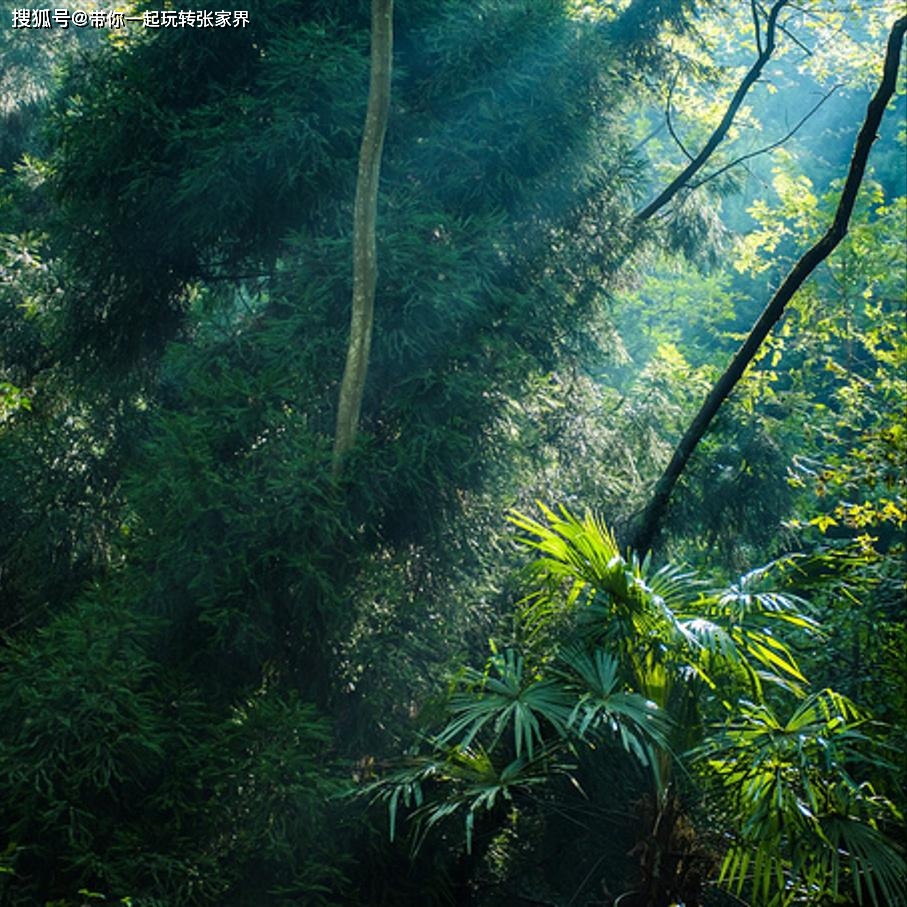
x: 508, y: 701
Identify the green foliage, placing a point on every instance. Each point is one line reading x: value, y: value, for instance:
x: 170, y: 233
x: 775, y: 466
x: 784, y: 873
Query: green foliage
x: 805, y: 822
x: 644, y: 661
x: 27, y: 283
x: 123, y: 779
x: 186, y: 593
x: 201, y: 184
x: 185, y: 156
x: 658, y: 620
x: 511, y: 702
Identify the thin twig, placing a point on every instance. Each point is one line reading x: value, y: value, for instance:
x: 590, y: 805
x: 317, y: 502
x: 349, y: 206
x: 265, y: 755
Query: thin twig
x: 695, y: 165
x: 767, y: 148
x: 586, y: 878
x: 646, y: 139
x: 670, y: 124
x: 754, y: 9
x: 783, y: 28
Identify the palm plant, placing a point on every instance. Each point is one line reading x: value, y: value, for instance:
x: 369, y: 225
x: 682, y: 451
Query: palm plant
x: 528, y: 724
x: 615, y: 658
x: 660, y: 624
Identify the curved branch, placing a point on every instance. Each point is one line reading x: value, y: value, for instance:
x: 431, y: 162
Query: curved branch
x: 642, y: 534
x: 669, y: 122
x: 721, y: 131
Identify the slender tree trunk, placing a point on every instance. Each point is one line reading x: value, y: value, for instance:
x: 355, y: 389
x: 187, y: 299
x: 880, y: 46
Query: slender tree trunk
x: 365, y: 264
x: 643, y: 532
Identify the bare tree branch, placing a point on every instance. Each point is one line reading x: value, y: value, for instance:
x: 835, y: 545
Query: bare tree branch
x: 648, y: 138
x: 696, y: 164
x: 786, y: 31
x: 669, y: 122
x: 764, y: 150
x: 643, y: 532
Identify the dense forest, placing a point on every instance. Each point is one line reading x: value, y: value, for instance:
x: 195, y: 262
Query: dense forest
x: 453, y: 452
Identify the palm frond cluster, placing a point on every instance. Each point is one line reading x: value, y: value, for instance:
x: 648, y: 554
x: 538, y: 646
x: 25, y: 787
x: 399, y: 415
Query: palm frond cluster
x: 614, y: 661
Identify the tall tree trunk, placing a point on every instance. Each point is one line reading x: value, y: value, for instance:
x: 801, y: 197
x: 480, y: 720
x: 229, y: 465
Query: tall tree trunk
x: 643, y: 532
x: 365, y: 264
